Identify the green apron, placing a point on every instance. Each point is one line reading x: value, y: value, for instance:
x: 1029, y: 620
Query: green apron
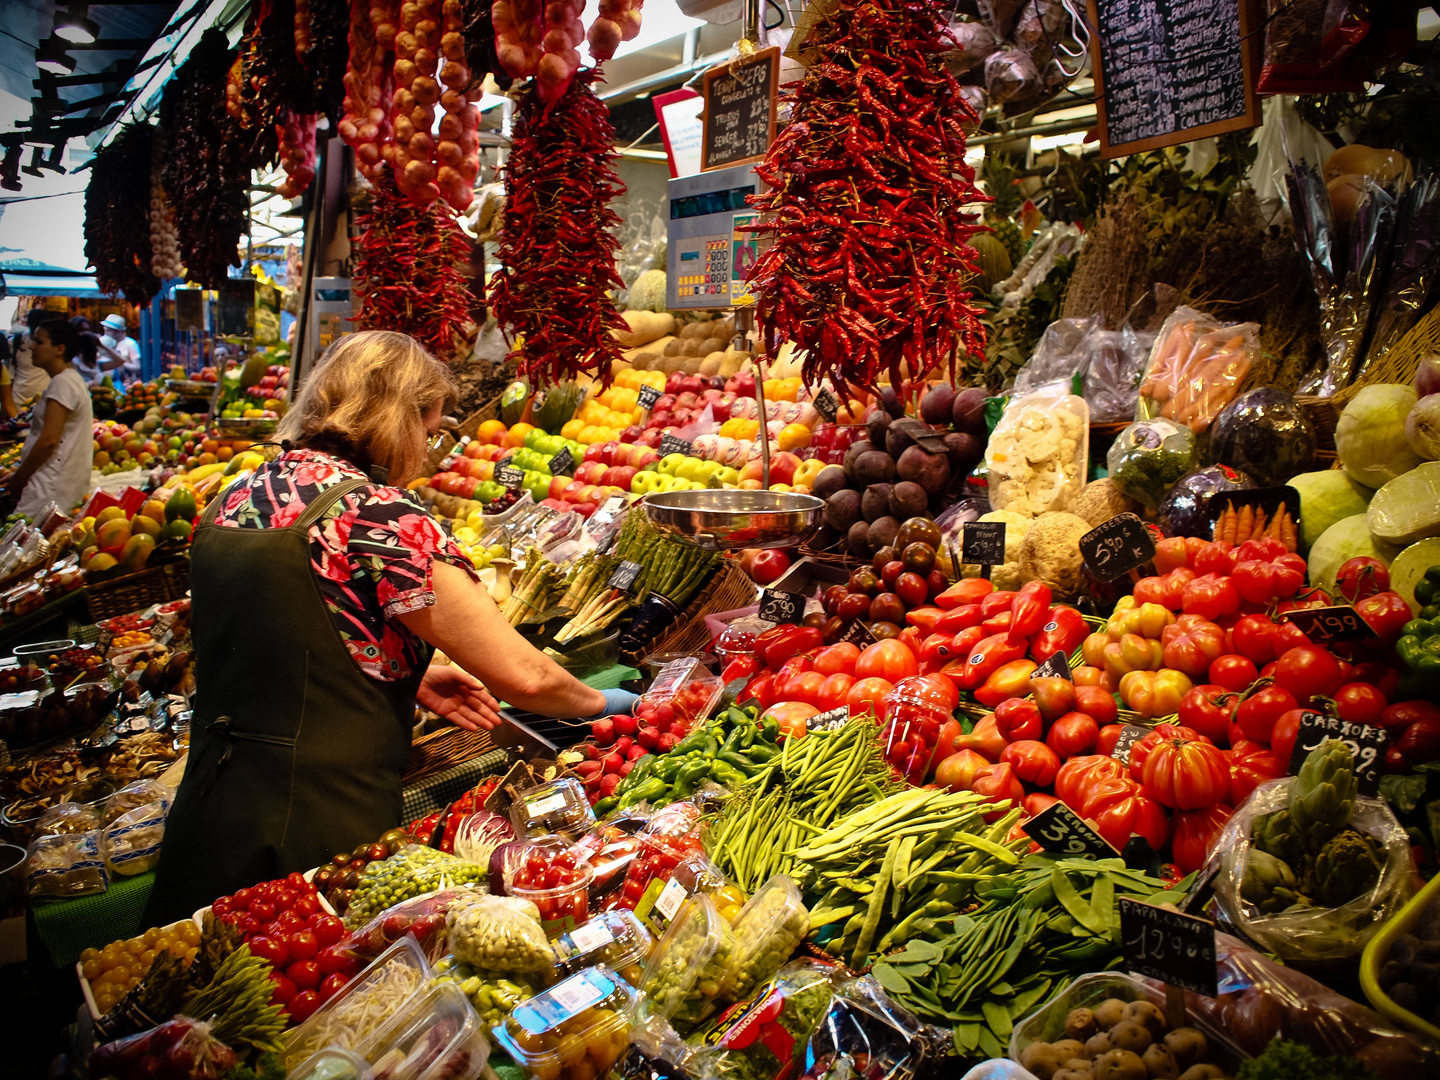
x: 295, y: 753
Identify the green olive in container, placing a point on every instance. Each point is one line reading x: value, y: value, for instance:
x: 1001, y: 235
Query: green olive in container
x: 690, y: 966
x: 767, y: 931
x: 575, y: 1030
x: 492, y: 993
x: 617, y: 939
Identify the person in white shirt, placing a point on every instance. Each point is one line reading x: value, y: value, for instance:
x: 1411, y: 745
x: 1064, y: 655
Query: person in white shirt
x: 55, y: 461
x: 115, y: 340
x: 30, y: 379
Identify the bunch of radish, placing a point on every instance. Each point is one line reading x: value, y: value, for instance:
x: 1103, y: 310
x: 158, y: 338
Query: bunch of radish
x: 366, y: 126
x: 561, y: 59
x: 518, y: 36
x: 611, y: 756
x: 296, y: 132
x: 619, y: 21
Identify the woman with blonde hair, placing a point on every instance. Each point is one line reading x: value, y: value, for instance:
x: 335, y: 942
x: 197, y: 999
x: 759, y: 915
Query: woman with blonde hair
x: 318, y: 588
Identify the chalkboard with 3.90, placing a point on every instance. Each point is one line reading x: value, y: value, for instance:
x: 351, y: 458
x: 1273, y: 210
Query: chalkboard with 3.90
x: 740, y: 107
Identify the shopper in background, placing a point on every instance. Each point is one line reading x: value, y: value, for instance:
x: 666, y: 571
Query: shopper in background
x: 318, y: 589
x: 116, y: 339
x: 7, y: 390
x: 30, y: 380
x: 55, y: 461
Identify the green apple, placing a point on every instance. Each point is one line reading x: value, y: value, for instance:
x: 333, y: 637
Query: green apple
x: 670, y: 464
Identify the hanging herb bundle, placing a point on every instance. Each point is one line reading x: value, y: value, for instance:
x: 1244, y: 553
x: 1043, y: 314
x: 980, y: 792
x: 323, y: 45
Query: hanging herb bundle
x: 207, y: 173
x: 556, y: 249
x: 408, y: 269
x: 117, y: 239
x: 869, y: 263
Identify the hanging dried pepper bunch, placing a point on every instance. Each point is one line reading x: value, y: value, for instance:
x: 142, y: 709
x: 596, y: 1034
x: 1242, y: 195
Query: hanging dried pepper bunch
x: 556, y: 248
x: 869, y: 264
x: 407, y: 269
x: 117, y: 239
x: 207, y: 170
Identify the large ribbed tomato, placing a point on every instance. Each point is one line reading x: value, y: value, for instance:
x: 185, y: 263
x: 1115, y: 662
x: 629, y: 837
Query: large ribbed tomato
x: 1186, y: 773
x: 1118, y: 819
x: 1195, y: 832
x: 1080, y: 773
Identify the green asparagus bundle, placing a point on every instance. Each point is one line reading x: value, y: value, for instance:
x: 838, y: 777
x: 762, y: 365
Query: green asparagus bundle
x: 539, y: 587
x: 237, y: 1003
x: 670, y: 568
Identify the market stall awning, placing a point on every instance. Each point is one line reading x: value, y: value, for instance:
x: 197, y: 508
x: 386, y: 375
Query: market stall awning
x: 77, y: 285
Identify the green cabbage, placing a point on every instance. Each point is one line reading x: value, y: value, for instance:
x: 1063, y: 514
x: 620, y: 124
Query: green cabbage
x: 1370, y: 435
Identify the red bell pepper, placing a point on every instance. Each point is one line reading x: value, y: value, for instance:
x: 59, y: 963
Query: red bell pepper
x: 760, y: 689
x: 987, y: 655
x: 924, y: 618
x: 996, y: 602
x: 967, y: 591
x: 960, y: 618
x: 742, y: 667
x: 774, y: 647
x: 1028, y: 612
x: 1063, y: 632
x: 1019, y: 718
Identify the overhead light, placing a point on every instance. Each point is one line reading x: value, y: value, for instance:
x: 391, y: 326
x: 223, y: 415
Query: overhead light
x: 51, y: 57
x: 75, y: 26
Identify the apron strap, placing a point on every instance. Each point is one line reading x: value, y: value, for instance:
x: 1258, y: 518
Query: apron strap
x: 225, y: 729
x: 325, y: 500
x: 211, y: 511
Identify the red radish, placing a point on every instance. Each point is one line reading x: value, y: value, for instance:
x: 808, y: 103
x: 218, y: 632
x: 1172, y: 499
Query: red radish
x: 589, y: 768
x: 664, y: 713
x: 625, y: 725
x: 625, y: 769
x: 667, y: 742
x: 593, y: 752
x: 649, y: 737
x: 608, y: 783
x: 636, y: 752
x: 623, y: 744
x: 603, y: 731
x: 612, y: 761
x: 680, y: 728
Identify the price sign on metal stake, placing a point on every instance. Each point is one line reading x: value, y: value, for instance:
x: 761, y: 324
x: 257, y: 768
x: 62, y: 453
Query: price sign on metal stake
x: 673, y: 444
x: 623, y: 576
x: 983, y: 542
x: 859, y: 634
x: 1365, y: 742
x: 1117, y: 546
x: 1323, y: 625
x: 1057, y: 667
x: 1177, y: 949
x: 829, y: 721
x: 1130, y: 734
x: 827, y: 405
x: 563, y: 463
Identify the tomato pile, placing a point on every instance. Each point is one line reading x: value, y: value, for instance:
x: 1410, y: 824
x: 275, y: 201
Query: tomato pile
x: 284, y: 925
x: 556, y: 879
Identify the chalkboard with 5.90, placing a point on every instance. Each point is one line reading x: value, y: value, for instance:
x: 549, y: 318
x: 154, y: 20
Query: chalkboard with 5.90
x: 739, y: 114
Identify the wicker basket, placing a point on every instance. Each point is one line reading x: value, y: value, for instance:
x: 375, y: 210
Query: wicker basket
x: 444, y: 749
x: 1401, y: 362
x: 728, y: 588
x: 1323, y: 414
x: 131, y: 592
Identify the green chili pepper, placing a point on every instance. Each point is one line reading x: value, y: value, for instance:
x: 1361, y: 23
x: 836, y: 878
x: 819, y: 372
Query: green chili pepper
x: 604, y: 806
x: 649, y: 790
x: 691, y: 777
x: 762, y: 753
x: 722, y: 772
x: 670, y: 765
x: 770, y: 729
x: 696, y: 740
x: 738, y: 761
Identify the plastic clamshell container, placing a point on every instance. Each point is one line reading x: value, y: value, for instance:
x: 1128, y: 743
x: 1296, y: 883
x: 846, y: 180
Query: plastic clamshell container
x: 437, y: 1034
x: 1378, y: 948
x: 617, y: 939
x: 1047, y: 1023
x: 371, y: 998
x: 559, y: 806
x: 561, y: 908
x: 581, y: 1021
x: 767, y: 930
x: 690, y: 966
x: 664, y: 894
x: 332, y: 1064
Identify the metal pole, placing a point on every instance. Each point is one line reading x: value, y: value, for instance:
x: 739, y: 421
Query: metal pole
x: 300, y: 360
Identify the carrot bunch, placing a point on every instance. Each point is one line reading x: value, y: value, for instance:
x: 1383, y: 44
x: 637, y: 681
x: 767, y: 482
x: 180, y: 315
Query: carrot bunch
x: 1196, y: 366
x: 1250, y: 522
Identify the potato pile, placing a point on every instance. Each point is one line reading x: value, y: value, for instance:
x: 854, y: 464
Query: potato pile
x: 702, y: 347
x: 1120, y: 1040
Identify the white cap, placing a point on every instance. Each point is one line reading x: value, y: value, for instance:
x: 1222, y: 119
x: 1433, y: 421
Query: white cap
x: 114, y: 322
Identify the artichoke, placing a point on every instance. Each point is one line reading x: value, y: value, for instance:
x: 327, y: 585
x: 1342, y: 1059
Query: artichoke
x: 1322, y: 796
x: 1274, y: 834
x: 1348, y: 866
x: 1269, y: 883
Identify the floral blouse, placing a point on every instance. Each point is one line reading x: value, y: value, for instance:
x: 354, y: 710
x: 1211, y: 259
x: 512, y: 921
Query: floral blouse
x: 372, y: 552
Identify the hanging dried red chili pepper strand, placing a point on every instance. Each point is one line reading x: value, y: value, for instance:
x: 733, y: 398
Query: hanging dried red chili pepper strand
x: 869, y: 262
x: 556, y: 248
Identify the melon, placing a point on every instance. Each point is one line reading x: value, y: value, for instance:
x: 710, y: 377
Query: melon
x: 992, y: 260
x: 513, y: 402
x: 557, y: 407
x: 1326, y: 497
x: 648, y: 292
x: 110, y: 513
x: 1347, y: 538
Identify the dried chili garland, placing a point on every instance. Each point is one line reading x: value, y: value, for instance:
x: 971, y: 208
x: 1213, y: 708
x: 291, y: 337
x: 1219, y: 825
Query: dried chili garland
x: 117, y: 237
x: 869, y: 262
x: 407, y: 269
x: 556, y: 248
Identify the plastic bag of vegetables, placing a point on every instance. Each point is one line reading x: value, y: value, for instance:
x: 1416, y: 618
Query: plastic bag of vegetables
x: 1265, y: 434
x: 863, y: 1024
x: 499, y: 933
x: 763, y: 1037
x: 1148, y: 457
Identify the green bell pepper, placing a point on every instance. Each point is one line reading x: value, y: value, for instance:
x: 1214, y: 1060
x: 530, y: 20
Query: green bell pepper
x: 1419, y: 650
x: 690, y: 777
x: 722, y: 772
x: 696, y: 740
x: 648, y: 790
x: 670, y: 766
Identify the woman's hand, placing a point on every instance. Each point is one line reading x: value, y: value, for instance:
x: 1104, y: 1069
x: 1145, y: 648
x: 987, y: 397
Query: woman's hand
x: 458, y: 697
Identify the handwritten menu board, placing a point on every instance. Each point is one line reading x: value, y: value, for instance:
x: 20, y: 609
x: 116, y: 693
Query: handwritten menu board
x: 740, y: 106
x: 1170, y: 71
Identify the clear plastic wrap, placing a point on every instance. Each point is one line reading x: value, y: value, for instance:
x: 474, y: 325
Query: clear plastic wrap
x: 974, y: 41
x: 574, y: 1030
x: 1311, y: 935
x: 422, y: 917
x: 65, y: 866
x: 1265, y: 434
x: 1260, y: 1000
x: 1148, y: 457
x: 498, y: 933
x: 436, y: 1036
x: 764, y: 1037
x: 131, y: 843
x: 767, y: 931
x: 1001, y: 15
x: 186, y: 1047
x: 409, y: 872
x: 617, y: 939
x: 139, y: 793
x: 558, y: 806
x: 1011, y: 75
x: 1414, y: 267
x: 550, y: 874
x: 1038, y: 453
x: 1196, y: 366
x: 1059, y: 357
x: 1112, y: 377
x: 1185, y: 510
x: 67, y: 819
x: 689, y: 967
x: 863, y: 1024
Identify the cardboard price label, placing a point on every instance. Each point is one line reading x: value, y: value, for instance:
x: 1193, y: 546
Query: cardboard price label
x: 1057, y: 667
x: 563, y: 463
x: 672, y: 444
x: 983, y: 542
x: 1115, y: 547
x: 1365, y: 742
x: 1161, y: 944
x: 829, y: 721
x: 1063, y: 832
x: 623, y: 576
x: 781, y: 607
x: 858, y: 633
x: 1130, y: 734
x: 1325, y: 624
x: 827, y: 405
x: 648, y: 396
x: 509, y: 476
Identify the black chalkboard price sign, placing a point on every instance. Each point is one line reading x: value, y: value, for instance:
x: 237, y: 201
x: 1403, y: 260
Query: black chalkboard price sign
x: 563, y: 463
x: 509, y: 476
x: 648, y: 396
x: 858, y: 633
x: 1365, y: 742
x: 1115, y: 547
x: 983, y: 542
x: 781, y: 607
x: 1339, y: 622
x: 1061, y: 831
x: 623, y: 576
x: 740, y: 108
x: 1056, y: 667
x: 1176, y: 949
x: 1130, y: 734
x: 827, y: 405
x: 829, y: 721
x: 673, y: 444
x: 1171, y: 71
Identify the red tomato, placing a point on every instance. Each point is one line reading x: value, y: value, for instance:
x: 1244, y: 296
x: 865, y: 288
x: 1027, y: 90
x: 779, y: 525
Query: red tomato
x: 1109, y: 736
x: 1033, y: 762
x: 1209, y: 597
x: 328, y: 930
x: 304, y: 1003
x: 791, y: 716
x: 306, y: 905
x: 891, y: 660
x: 1387, y: 613
x: 1186, y: 774
x: 1141, y: 747
x: 1019, y: 719
x: 1257, y: 714
x: 1208, y: 709
x: 1396, y: 718
x: 1233, y: 672
x: 1250, y: 766
x: 221, y: 907
x: 1288, y: 636
x: 1215, y: 557
x: 833, y: 691
x: 1309, y: 671
x: 262, y: 910
x: 1133, y: 815
x: 1262, y: 547
x: 1009, y: 680
x: 1195, y: 833
x: 283, y: 991
x: 272, y: 951
x: 837, y: 658
x: 1360, y: 703
x: 1072, y: 735
x: 1055, y: 697
x: 305, y: 974
x: 808, y: 687
x: 769, y: 566
x: 1253, y: 637
x: 1037, y: 802
x: 1098, y: 702
x: 941, y: 690
x: 1191, y: 645
x: 760, y: 689
x: 868, y: 695
x: 998, y: 782
x: 1283, y: 735
x: 1361, y: 577
x: 1062, y: 632
x: 302, y: 945
x: 296, y: 880
x: 1080, y: 774
x: 332, y: 985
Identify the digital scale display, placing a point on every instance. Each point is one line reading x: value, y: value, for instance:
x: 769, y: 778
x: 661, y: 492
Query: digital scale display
x: 709, y: 252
